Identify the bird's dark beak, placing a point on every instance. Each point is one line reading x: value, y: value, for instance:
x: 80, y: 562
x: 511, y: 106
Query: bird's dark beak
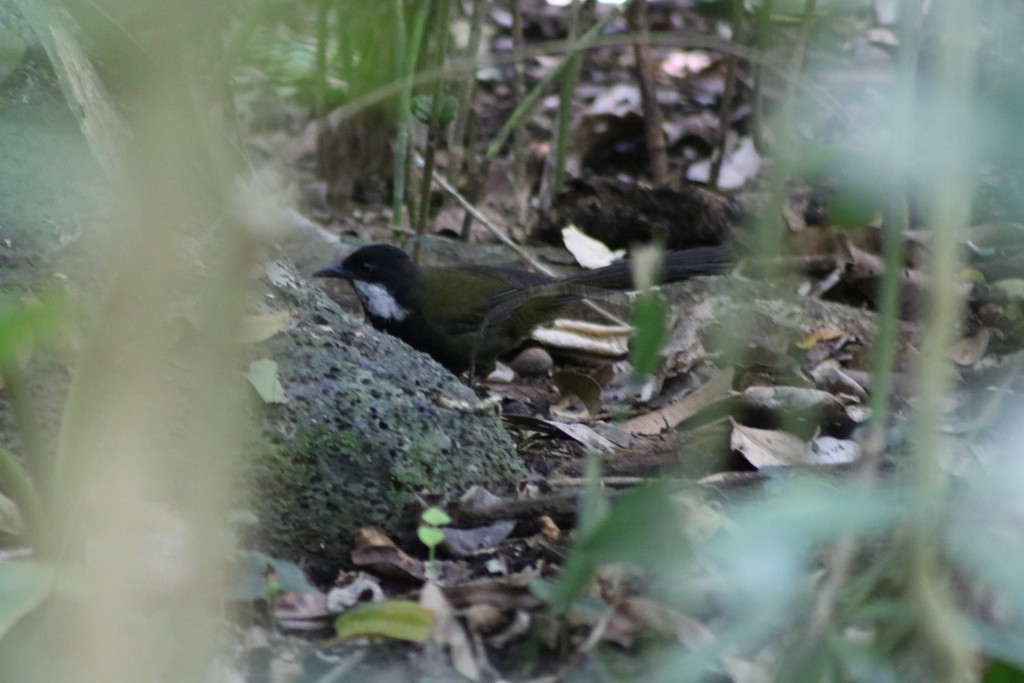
x: 334, y: 271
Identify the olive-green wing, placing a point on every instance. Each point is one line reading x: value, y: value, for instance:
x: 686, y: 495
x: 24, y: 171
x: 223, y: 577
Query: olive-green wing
x: 458, y: 299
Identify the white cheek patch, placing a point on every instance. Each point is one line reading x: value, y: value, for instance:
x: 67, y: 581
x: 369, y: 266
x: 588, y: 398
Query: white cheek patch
x: 379, y: 302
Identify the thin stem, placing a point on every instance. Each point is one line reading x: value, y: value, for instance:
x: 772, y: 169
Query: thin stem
x: 457, y: 135
x: 565, y: 105
x: 894, y: 226
x: 930, y: 581
x: 408, y: 60
x: 769, y: 236
x: 654, y: 136
x: 519, y: 142
x: 433, y: 126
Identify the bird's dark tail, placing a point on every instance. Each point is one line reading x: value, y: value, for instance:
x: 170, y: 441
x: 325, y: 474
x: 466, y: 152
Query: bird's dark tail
x: 676, y: 265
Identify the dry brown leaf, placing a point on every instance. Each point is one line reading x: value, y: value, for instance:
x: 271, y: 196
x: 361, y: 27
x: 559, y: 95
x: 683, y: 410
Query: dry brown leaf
x: 389, y: 560
x: 584, y: 435
x: 829, y: 376
x: 369, y: 535
x: 663, y: 419
x: 449, y: 632
x: 549, y: 529
x: 766, y: 447
x: 603, y: 340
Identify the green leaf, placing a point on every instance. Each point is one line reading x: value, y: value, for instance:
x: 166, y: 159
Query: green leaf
x: 650, y: 331
x: 23, y: 321
x: 421, y: 106
x: 435, y: 516
x: 429, y: 536
x: 594, y: 506
x: 449, y: 105
x: 396, y: 619
x: 262, y: 376
x: 1001, y: 672
x: 1004, y: 645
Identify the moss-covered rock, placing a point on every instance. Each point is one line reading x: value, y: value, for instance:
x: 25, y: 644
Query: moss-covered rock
x: 361, y: 434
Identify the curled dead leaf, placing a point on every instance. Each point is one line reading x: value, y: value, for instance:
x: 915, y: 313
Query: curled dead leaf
x: 766, y: 447
x: 589, y: 252
x: 604, y: 340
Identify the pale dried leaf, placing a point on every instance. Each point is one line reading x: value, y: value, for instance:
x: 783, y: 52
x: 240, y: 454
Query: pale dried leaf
x: 262, y: 375
x: 589, y: 252
x: 663, y: 419
x: 603, y: 340
x: 766, y: 447
x: 448, y: 632
x: 583, y: 434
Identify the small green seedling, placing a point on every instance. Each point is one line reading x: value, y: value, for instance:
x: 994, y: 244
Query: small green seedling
x: 431, y: 535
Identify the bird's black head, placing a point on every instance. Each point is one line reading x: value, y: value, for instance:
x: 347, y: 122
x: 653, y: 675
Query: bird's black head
x: 384, y: 278
x: 379, y: 263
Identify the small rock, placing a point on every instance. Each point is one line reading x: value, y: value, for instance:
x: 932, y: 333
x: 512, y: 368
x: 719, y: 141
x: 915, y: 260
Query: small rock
x: 532, y: 362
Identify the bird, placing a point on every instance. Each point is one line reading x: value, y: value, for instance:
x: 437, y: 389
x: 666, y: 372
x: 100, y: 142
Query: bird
x: 466, y: 316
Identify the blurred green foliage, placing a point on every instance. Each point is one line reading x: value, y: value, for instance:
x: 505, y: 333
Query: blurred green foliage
x: 760, y: 573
